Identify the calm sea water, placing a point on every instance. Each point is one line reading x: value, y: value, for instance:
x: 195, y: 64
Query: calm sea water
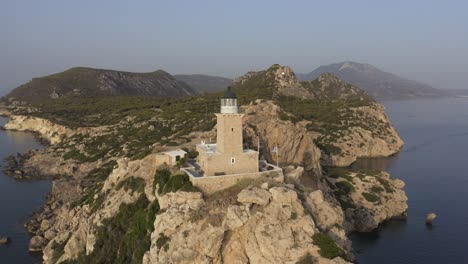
x: 434, y: 165
x: 18, y: 199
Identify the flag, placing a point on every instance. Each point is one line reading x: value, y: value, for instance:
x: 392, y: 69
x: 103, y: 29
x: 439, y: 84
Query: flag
x: 275, y: 149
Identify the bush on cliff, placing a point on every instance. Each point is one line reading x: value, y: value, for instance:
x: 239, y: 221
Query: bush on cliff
x: 370, y: 197
x: 134, y: 184
x: 167, y: 183
x: 328, y: 248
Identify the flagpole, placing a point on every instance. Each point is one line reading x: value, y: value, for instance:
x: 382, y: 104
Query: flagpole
x: 277, y: 163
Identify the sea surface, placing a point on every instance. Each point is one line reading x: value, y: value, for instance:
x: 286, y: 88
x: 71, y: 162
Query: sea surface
x: 433, y: 163
x: 18, y: 199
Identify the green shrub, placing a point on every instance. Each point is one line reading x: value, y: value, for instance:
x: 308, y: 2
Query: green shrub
x: 132, y: 183
x: 376, y: 189
x: 167, y: 183
x: 75, y: 155
x: 162, y: 241
x: 160, y: 179
x: 328, y: 248
x: 345, y: 186
x: 370, y: 197
x: 388, y: 188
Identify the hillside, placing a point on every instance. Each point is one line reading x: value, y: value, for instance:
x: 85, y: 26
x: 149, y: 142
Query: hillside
x: 88, y: 82
x: 204, y: 83
x: 379, y: 84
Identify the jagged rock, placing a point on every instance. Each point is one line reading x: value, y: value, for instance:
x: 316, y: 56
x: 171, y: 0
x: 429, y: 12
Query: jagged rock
x: 45, y: 224
x: 36, y: 243
x: 49, y: 234
x: 193, y: 200
x: 430, y: 217
x: 236, y: 216
x: 325, y: 214
x: 4, y: 240
x: 254, y: 195
x: 294, y: 173
x: 296, y: 146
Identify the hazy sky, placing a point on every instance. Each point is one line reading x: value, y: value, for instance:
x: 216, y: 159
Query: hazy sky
x: 422, y: 40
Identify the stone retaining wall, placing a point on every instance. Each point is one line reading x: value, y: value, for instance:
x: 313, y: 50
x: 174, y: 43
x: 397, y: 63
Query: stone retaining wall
x: 211, y: 184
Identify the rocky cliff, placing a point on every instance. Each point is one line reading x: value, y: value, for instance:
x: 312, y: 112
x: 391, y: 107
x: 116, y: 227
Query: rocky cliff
x: 50, y: 131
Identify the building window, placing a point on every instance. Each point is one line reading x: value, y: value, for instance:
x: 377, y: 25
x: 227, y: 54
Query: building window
x: 233, y: 160
x: 232, y: 129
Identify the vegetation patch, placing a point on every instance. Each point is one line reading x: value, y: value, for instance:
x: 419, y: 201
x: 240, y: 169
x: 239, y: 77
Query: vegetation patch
x: 387, y: 186
x: 167, y: 183
x: 328, y: 248
x: 162, y: 242
x: 132, y: 183
x: 376, y: 189
x: 345, y: 186
x: 370, y: 197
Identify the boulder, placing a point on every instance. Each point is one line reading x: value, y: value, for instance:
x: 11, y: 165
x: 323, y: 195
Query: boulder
x: 4, y: 240
x: 430, y: 217
x: 254, y: 196
x: 36, y: 243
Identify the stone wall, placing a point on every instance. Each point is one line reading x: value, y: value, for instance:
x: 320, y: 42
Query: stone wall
x: 211, y: 184
x: 219, y: 164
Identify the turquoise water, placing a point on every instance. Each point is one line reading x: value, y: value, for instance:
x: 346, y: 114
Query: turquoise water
x: 434, y: 165
x: 18, y: 199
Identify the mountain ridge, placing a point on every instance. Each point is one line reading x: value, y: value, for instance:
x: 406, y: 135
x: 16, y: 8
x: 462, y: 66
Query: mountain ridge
x: 90, y: 82
x: 379, y: 84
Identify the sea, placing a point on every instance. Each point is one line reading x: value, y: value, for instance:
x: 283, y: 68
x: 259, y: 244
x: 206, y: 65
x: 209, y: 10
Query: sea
x: 18, y: 199
x: 433, y: 163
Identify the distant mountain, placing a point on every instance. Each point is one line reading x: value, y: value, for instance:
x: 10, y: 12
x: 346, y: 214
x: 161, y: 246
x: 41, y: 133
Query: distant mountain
x: 205, y: 83
x: 379, y: 84
x: 458, y: 92
x: 89, y: 82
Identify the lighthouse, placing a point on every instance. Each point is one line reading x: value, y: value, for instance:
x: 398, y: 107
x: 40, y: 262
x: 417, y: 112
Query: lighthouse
x: 227, y: 156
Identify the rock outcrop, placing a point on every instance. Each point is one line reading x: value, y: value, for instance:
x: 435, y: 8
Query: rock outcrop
x: 265, y: 226
x: 377, y: 140
x: 369, y: 199
x: 295, y: 143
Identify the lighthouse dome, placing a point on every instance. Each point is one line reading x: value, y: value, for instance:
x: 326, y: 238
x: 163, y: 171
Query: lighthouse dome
x: 229, y: 102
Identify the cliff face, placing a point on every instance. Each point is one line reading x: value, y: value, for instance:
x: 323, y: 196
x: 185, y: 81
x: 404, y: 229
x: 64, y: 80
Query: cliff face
x: 50, y: 131
x: 295, y: 143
